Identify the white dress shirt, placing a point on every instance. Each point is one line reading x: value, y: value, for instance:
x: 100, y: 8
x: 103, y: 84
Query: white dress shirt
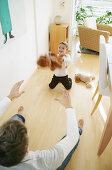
x: 61, y: 72
x: 52, y: 158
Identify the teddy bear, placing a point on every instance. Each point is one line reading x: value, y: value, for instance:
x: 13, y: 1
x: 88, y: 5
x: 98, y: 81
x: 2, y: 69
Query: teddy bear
x: 52, y: 61
x: 84, y: 78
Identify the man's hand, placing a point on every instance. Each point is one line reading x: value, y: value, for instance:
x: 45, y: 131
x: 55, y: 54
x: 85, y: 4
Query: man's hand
x: 65, y: 100
x: 14, y: 93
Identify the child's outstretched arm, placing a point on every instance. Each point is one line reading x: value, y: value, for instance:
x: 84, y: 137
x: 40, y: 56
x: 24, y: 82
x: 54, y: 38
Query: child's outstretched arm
x: 67, y: 58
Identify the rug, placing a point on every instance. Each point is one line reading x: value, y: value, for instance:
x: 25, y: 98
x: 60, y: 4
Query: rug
x: 87, y: 51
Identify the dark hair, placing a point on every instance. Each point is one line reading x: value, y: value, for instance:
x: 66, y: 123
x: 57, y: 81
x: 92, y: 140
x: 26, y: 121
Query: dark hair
x: 64, y: 43
x: 13, y: 142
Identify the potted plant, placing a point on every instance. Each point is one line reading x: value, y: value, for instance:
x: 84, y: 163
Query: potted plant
x: 105, y: 19
x: 81, y: 14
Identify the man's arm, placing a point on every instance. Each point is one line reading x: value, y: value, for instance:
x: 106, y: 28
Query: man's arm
x: 55, y: 156
x: 14, y: 93
x: 72, y: 136
x: 3, y: 104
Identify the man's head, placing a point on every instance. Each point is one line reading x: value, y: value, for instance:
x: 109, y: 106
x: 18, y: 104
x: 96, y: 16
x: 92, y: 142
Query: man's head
x: 62, y: 48
x: 13, y: 142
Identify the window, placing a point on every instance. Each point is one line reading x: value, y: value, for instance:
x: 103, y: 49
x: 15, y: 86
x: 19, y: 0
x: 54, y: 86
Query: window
x: 103, y: 0
x: 94, y: 8
x: 98, y: 7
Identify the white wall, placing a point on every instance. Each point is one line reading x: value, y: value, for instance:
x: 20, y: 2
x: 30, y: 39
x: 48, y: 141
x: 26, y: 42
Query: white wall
x: 18, y: 58
x: 65, y: 11
x: 44, y: 11
x: 67, y: 14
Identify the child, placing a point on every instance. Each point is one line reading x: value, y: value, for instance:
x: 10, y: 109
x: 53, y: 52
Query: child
x: 60, y: 74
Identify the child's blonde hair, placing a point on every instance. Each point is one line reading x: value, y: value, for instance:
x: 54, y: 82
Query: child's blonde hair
x: 64, y: 43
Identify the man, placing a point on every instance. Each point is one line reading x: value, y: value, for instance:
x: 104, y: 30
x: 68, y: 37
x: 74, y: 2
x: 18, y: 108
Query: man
x: 14, y: 152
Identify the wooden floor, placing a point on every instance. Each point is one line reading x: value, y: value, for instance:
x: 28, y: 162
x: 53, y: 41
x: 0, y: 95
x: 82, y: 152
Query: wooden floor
x: 46, y: 120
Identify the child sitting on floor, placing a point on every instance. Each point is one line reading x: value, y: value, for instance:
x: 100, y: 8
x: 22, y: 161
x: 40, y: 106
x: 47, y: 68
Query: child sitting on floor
x: 60, y: 74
